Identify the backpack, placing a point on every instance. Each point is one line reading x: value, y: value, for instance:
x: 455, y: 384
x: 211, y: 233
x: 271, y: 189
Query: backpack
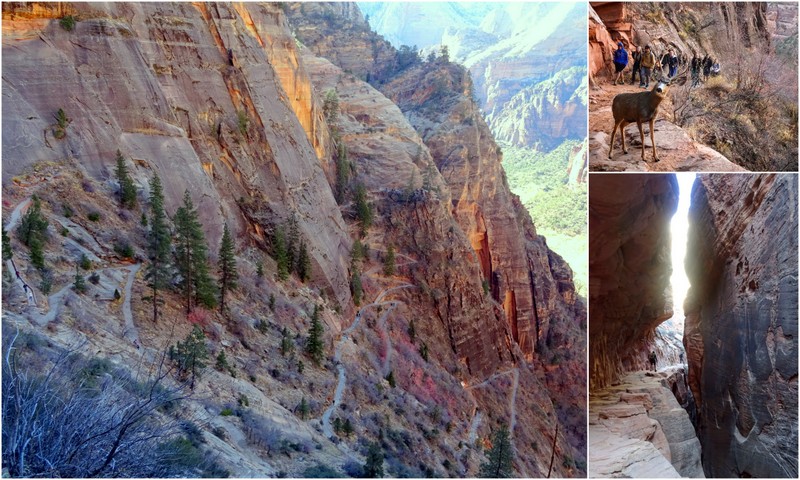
x: 621, y: 56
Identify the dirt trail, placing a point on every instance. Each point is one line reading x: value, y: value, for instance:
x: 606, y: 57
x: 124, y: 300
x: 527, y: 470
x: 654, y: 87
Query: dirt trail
x: 677, y: 151
x: 327, y: 430
x: 130, y: 329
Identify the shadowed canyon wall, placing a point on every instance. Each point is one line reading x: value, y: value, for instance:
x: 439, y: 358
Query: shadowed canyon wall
x: 741, y: 322
x: 629, y: 269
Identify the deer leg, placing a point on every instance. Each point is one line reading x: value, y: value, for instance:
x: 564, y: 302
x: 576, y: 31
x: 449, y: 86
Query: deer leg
x: 641, y: 137
x: 611, y: 146
x: 652, y: 139
x: 622, y: 126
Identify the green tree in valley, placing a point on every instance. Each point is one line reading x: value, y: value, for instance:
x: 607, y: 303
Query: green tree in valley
x: 330, y: 107
x: 412, y: 331
x: 356, y: 288
x: 500, y: 457
x: 159, y: 244
x: 292, y: 240
x: 388, y: 261
x: 303, y: 263
x: 127, y: 189
x: 303, y: 409
x: 364, y: 210
x: 281, y: 253
x: 314, y: 346
x: 287, y: 344
x: 373, y: 467
x: 32, y: 232
x: 191, y: 354
x: 342, y: 172
x: 191, y: 257
x: 226, y: 267
x: 7, y: 253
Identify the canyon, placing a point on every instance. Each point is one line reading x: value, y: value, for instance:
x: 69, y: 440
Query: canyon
x: 227, y: 102
x: 728, y: 406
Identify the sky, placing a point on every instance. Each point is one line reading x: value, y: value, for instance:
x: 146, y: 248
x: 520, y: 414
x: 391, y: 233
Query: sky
x: 679, y: 228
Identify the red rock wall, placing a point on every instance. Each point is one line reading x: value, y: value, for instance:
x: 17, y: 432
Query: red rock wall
x: 629, y: 269
x: 154, y: 80
x: 741, y: 322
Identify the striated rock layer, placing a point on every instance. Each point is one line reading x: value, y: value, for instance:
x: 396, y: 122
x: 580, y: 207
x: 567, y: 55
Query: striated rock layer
x: 741, y: 322
x: 629, y: 269
x: 640, y: 428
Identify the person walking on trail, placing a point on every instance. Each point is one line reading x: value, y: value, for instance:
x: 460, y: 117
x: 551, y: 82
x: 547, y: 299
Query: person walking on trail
x: 695, y: 71
x: 636, y: 54
x: 707, y: 63
x: 653, y: 360
x: 647, y: 63
x: 620, y: 62
x: 670, y: 62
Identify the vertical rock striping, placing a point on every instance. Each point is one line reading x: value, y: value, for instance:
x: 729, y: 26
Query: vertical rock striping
x: 741, y: 322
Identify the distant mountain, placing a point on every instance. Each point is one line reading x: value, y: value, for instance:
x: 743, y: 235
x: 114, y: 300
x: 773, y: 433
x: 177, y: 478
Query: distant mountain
x: 510, y: 48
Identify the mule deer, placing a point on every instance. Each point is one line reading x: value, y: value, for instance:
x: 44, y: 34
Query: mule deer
x: 640, y: 107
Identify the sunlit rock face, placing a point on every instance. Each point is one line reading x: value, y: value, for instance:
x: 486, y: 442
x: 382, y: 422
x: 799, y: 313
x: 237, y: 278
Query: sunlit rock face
x: 629, y: 269
x: 741, y: 322
x: 163, y: 84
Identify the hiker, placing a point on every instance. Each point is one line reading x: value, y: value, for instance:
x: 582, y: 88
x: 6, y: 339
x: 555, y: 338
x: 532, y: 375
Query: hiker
x: 695, y: 71
x: 680, y: 355
x: 670, y: 61
x: 707, y: 63
x: 637, y: 64
x: 653, y: 360
x: 647, y: 63
x: 620, y: 62
x: 715, y: 69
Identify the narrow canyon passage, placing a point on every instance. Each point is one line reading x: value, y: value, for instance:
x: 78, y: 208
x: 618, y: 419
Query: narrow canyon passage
x: 726, y: 406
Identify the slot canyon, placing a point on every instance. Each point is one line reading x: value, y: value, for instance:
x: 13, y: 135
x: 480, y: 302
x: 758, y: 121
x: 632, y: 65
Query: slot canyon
x: 722, y: 398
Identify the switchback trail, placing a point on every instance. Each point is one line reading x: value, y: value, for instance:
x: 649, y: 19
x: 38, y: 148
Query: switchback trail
x: 327, y: 430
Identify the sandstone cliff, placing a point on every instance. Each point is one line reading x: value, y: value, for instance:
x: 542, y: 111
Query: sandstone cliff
x: 741, y: 322
x: 629, y: 270
x: 168, y: 97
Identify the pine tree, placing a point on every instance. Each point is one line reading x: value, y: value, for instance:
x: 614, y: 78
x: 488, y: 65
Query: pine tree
x: 32, y: 223
x: 228, y: 275
x: 356, y: 288
x: 412, y: 331
x: 363, y: 209
x: 391, y: 380
x: 7, y: 253
x: 337, y: 425
x: 191, y: 354
x: 303, y: 263
x: 80, y: 283
x: 191, y: 257
x: 314, y: 346
x: 347, y: 428
x: 342, y: 173
x: 159, y: 244
x: 303, y: 408
x: 500, y: 457
x: 423, y: 351
x: 330, y: 107
x: 287, y: 344
x: 388, y: 261
x: 127, y: 189
x: 280, y: 252
x: 292, y: 238
x: 32, y: 231
x: 373, y: 467
x: 222, y: 362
